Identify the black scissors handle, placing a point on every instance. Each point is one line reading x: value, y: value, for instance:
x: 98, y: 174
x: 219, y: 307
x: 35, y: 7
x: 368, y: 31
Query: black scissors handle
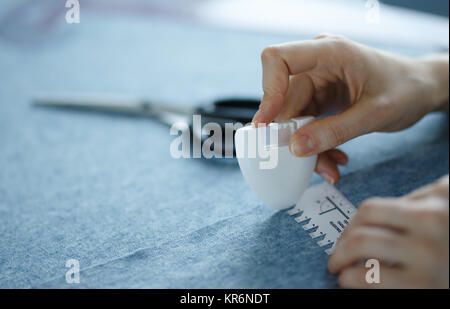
x: 223, y: 112
x: 231, y: 110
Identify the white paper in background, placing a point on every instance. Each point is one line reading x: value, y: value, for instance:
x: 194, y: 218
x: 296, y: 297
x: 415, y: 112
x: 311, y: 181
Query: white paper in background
x: 352, y: 18
x: 323, y: 212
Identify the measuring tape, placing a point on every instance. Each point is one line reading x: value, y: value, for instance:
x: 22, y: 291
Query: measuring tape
x: 324, y: 212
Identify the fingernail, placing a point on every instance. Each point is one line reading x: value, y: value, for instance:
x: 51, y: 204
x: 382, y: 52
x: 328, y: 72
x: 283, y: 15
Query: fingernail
x: 327, y: 178
x: 302, y: 146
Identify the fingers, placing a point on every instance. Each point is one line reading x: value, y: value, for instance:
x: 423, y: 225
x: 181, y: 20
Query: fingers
x: 408, y: 237
x: 385, y: 212
x: 327, y: 163
x: 279, y: 62
x: 301, y: 56
x: 275, y: 85
x: 367, y: 242
x: 338, y: 156
x: 327, y: 168
x: 329, y: 132
x: 298, y: 96
x: 287, y: 91
x: 422, y: 218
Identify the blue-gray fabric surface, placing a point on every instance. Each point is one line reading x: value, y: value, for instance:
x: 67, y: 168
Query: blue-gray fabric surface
x: 105, y: 190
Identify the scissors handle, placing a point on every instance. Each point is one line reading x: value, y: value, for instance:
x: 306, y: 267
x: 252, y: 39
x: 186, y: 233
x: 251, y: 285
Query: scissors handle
x: 229, y: 110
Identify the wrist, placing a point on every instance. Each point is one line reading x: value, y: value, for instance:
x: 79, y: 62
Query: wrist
x: 436, y: 72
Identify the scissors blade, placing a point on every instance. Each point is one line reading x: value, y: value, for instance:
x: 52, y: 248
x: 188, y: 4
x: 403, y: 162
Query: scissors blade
x: 166, y: 113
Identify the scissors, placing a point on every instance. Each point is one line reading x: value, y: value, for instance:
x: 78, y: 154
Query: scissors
x: 222, y: 111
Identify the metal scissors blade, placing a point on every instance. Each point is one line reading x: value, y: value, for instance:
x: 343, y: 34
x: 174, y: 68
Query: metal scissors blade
x: 166, y: 113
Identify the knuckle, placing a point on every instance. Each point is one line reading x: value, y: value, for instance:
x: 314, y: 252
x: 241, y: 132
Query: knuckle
x: 271, y: 92
x: 323, y: 35
x: 343, y: 51
x: 338, y: 42
x: 332, y: 37
x: 381, y: 108
x: 368, y: 206
x: 356, y: 238
x: 337, y: 134
x: 339, y: 39
x: 270, y: 52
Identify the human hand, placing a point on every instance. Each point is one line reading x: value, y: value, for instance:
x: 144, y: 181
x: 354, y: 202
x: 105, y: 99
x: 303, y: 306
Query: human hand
x: 409, y: 236
x: 373, y: 90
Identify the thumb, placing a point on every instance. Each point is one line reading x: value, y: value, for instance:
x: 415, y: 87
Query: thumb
x: 326, y: 133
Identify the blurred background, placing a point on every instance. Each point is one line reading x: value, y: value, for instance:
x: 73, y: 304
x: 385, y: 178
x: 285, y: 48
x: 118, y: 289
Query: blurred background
x: 185, y: 51
x: 179, y: 36
x: 157, y: 47
x: 188, y: 51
